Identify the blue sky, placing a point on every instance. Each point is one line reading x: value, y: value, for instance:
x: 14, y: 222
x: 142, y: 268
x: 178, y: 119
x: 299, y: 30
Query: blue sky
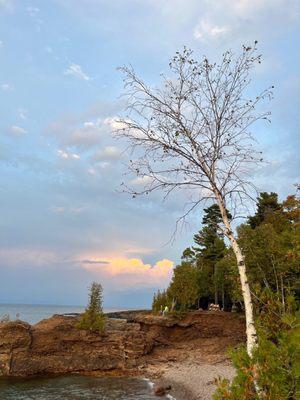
x: 64, y: 222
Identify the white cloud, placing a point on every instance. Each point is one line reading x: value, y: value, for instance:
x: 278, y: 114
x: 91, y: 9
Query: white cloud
x: 76, y: 70
x: 141, y: 180
x: 22, y: 113
x: 67, y: 155
x: 33, y: 11
x: 17, y: 130
x: 114, y: 123
x: 206, y: 30
x: 7, y: 87
x: 1, y: 43
x: 83, y: 137
x: 245, y: 20
x: 108, y: 153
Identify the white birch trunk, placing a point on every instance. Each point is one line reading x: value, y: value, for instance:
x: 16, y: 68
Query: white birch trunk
x: 250, y: 327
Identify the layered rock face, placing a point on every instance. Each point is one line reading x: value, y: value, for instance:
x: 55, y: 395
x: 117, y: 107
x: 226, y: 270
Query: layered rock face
x: 55, y: 345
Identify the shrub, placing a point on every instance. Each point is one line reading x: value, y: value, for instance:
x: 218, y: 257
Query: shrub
x: 275, y: 363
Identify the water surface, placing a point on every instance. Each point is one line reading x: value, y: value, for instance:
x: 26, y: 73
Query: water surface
x: 34, y: 313
x: 75, y: 387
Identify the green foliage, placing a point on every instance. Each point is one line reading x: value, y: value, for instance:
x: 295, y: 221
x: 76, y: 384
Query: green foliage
x: 184, y: 285
x: 275, y: 363
x: 267, y: 203
x: 93, y: 318
x: 270, y: 243
x: 161, y: 299
x: 272, y: 249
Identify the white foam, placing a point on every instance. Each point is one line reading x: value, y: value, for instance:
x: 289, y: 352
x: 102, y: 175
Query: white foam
x: 151, y: 385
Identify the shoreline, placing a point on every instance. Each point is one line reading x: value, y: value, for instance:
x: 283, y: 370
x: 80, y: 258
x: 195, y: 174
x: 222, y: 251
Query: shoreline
x: 188, y: 354
x: 190, y: 381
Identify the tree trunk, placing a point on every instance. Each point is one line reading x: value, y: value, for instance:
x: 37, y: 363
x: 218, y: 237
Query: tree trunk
x: 282, y: 292
x: 250, y: 327
x: 223, y: 297
x: 215, y: 285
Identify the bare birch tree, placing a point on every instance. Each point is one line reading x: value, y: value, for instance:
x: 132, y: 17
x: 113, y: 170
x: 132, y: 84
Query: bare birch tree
x: 193, y: 133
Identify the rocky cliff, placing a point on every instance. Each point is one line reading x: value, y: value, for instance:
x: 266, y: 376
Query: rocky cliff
x: 55, y: 345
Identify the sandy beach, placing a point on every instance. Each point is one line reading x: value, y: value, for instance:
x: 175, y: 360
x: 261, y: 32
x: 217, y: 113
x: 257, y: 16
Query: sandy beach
x: 191, y: 369
x: 194, y: 382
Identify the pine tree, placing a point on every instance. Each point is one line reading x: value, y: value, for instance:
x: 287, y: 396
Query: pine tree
x: 93, y: 319
x: 266, y: 204
x: 210, y: 243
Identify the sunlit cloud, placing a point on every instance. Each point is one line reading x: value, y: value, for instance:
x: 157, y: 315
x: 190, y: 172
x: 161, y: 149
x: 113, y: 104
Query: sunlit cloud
x: 133, y: 271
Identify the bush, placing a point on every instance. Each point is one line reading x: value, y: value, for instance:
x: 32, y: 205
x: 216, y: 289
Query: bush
x: 275, y: 363
x: 93, y: 318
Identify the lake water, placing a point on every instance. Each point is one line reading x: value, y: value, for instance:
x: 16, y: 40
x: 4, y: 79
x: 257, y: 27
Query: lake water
x: 34, y: 313
x: 76, y: 388
x: 71, y: 387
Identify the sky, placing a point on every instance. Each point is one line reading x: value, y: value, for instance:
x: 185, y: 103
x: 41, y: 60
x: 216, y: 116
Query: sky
x: 64, y: 220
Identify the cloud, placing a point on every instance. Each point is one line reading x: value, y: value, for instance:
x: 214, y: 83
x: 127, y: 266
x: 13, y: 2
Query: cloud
x: 101, y: 262
x: 141, y: 180
x: 66, y: 155
x: 17, y: 130
x: 133, y: 271
x: 22, y: 113
x: 7, y: 87
x: 37, y: 257
x: 81, y: 136
x: 76, y: 70
x: 108, y: 153
x: 245, y: 20
x: 33, y: 11
x: 206, y: 30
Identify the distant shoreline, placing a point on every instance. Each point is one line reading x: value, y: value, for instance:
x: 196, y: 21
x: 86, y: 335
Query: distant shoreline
x: 33, y: 313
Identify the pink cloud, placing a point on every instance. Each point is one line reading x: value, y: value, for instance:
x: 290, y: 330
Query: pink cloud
x: 132, y: 271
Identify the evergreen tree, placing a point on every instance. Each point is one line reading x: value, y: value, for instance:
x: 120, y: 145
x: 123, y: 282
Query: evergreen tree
x: 267, y: 203
x: 93, y: 319
x: 184, y: 288
x: 188, y: 255
x: 210, y: 244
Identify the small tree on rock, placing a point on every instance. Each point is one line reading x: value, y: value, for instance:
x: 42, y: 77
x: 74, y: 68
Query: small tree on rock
x: 93, y: 318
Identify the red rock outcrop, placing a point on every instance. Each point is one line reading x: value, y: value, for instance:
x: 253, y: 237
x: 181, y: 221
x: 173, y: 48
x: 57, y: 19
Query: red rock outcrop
x: 55, y: 345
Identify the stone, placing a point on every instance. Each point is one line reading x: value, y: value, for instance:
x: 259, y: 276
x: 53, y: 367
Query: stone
x: 161, y: 390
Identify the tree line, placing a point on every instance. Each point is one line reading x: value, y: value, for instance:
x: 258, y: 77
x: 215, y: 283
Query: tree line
x: 207, y: 272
